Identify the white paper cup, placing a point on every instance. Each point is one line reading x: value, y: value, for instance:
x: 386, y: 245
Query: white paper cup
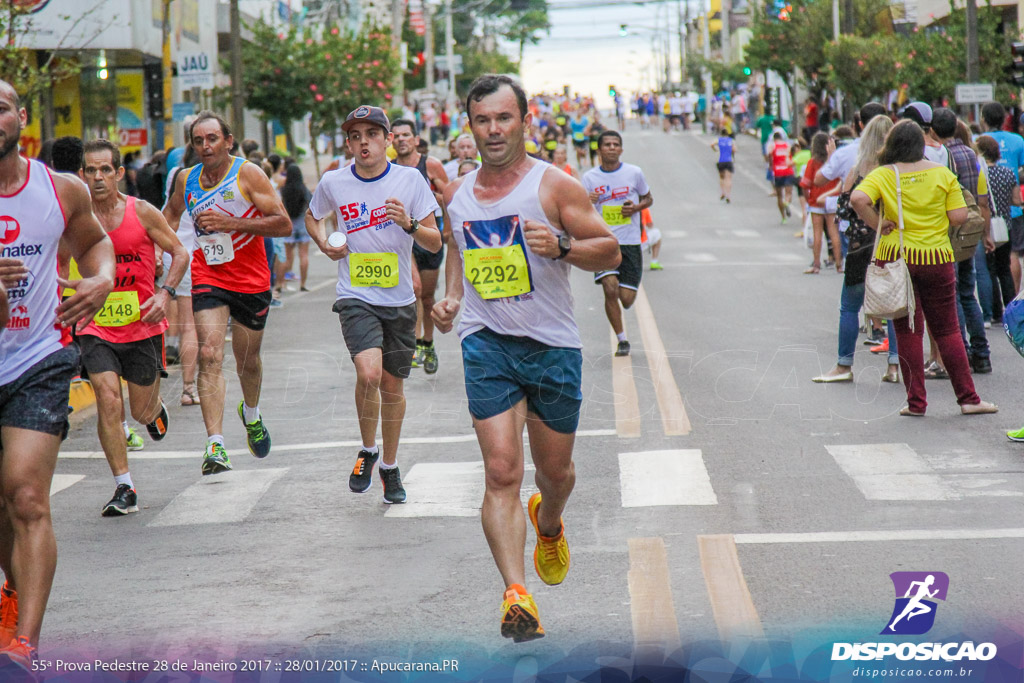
x: 337, y: 239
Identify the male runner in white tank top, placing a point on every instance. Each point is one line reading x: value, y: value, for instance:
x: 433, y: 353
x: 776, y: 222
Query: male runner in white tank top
x: 514, y: 239
x: 38, y: 209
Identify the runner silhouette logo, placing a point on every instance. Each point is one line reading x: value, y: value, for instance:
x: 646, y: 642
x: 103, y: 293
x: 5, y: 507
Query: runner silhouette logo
x: 916, y: 595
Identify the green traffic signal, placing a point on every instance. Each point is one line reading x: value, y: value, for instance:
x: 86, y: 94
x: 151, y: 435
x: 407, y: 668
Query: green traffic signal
x: 746, y: 71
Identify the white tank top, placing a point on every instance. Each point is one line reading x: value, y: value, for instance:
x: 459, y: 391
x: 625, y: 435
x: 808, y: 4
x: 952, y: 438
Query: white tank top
x: 31, y: 225
x: 545, y: 313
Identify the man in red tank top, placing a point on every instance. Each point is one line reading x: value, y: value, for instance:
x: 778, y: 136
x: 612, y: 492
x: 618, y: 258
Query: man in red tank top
x: 125, y: 339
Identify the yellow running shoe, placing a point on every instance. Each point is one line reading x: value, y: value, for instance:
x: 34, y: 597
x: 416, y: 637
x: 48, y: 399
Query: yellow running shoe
x: 519, y: 619
x: 551, y: 554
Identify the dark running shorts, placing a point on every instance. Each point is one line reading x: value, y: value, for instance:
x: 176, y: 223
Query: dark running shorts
x: 426, y: 260
x: 249, y: 310
x: 1017, y: 234
x: 725, y: 166
x: 138, y: 362
x: 501, y: 370
x: 38, y: 400
x: 392, y: 329
x: 786, y: 180
x: 629, y: 271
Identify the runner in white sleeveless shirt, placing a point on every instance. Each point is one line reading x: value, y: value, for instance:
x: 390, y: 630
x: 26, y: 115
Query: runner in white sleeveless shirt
x: 383, y: 209
x: 518, y: 224
x: 37, y: 210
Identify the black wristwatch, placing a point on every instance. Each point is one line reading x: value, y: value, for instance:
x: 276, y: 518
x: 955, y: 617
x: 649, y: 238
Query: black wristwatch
x: 564, y: 245
x: 169, y: 290
x: 414, y: 225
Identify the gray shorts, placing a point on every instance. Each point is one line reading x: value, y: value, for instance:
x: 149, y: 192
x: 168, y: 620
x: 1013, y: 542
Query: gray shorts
x: 1017, y: 234
x: 38, y: 400
x: 392, y: 329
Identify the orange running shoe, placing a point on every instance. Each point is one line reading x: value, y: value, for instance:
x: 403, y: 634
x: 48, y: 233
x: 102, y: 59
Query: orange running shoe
x: 8, y: 613
x: 519, y: 619
x: 16, y: 661
x: 550, y: 555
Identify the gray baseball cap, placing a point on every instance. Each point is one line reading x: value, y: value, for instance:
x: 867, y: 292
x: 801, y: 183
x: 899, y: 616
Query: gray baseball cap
x: 919, y: 112
x: 367, y: 114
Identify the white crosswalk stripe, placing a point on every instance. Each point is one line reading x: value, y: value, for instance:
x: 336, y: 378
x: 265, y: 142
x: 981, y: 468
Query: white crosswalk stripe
x: 682, y: 479
x: 63, y: 481
x: 448, y: 489
x: 743, y: 233
x: 700, y: 257
x: 219, y: 499
x: 895, y: 471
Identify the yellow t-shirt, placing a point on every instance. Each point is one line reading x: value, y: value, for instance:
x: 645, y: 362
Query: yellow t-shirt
x: 927, y: 196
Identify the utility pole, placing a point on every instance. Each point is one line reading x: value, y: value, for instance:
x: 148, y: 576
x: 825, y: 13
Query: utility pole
x: 449, y: 40
x: 237, y: 96
x: 972, y: 41
x: 165, y: 128
x: 428, y: 47
x: 835, y: 36
x: 726, y: 35
x: 706, y: 34
x: 684, y: 20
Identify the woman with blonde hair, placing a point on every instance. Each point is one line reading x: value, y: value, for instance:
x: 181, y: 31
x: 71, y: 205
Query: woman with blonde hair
x: 926, y: 198
x: 861, y: 239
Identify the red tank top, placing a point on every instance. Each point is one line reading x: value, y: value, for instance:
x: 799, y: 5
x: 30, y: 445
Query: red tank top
x: 119, y: 321
x: 780, y: 155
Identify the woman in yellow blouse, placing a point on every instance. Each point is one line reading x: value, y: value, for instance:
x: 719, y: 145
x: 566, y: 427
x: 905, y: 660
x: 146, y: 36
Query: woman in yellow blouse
x: 932, y: 201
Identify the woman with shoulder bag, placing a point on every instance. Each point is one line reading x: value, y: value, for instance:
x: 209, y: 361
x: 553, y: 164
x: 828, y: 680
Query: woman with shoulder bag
x: 1005, y: 193
x: 928, y: 199
x: 861, y: 240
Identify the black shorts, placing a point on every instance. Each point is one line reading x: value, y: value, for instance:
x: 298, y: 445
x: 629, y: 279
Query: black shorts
x: 138, y: 362
x: 249, y: 310
x: 785, y: 181
x: 392, y: 329
x: 426, y: 260
x: 724, y: 166
x: 1017, y: 234
x: 579, y: 144
x: 629, y: 271
x: 38, y: 400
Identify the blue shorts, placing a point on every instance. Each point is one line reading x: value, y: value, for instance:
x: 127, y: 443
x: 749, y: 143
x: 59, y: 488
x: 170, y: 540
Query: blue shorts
x: 501, y: 370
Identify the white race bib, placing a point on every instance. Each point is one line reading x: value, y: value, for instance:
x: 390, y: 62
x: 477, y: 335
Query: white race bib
x: 217, y: 248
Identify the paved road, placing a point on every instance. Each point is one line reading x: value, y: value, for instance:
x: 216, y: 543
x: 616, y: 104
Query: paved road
x: 719, y: 491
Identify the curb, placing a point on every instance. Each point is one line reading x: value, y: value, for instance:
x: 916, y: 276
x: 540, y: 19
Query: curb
x: 82, y: 401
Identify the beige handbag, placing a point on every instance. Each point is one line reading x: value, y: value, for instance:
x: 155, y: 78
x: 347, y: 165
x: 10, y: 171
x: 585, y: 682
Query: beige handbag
x: 888, y: 292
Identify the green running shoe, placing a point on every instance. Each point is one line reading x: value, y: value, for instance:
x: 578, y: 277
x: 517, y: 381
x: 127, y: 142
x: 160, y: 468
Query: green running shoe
x: 416, y: 356
x: 656, y: 266
x: 256, y: 434
x: 429, y: 360
x: 215, y: 459
x: 135, y: 442
x: 1016, y: 435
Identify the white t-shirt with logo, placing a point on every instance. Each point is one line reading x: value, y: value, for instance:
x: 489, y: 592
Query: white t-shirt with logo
x: 615, y: 188
x: 358, y: 205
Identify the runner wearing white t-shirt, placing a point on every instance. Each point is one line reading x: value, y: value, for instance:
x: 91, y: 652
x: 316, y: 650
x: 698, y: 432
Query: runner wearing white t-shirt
x: 620, y: 193
x: 382, y: 209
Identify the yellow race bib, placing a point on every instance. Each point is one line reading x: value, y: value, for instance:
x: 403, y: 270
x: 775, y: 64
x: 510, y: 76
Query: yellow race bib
x: 613, y: 215
x: 497, y: 272
x: 373, y: 270
x: 120, y: 309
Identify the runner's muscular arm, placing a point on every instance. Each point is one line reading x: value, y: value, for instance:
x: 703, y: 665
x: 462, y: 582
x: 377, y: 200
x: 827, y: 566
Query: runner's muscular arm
x: 567, y: 206
x: 166, y: 239
x: 254, y: 183
x: 446, y: 309
x: 91, y: 249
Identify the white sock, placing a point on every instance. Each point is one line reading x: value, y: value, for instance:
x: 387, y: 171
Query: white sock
x: 621, y: 336
x: 125, y: 478
x: 127, y: 432
x: 384, y: 466
x: 371, y: 449
x: 250, y: 415
x: 215, y: 438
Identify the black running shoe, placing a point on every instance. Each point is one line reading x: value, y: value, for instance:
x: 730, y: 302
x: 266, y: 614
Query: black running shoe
x: 359, y: 480
x: 392, y: 481
x: 158, y: 428
x: 623, y: 349
x: 876, y: 337
x: 123, y: 502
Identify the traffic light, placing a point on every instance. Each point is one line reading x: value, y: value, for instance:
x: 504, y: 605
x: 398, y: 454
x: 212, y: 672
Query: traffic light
x: 611, y: 91
x: 154, y: 76
x: 1017, y: 67
x: 623, y: 30
x: 746, y: 71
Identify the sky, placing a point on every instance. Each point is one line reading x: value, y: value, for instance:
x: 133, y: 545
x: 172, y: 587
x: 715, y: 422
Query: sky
x: 586, y: 52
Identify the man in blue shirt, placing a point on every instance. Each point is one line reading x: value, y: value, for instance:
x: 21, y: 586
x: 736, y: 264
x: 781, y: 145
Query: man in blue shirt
x: 1011, y: 155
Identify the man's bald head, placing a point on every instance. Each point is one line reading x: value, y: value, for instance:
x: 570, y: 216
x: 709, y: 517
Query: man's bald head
x: 7, y: 90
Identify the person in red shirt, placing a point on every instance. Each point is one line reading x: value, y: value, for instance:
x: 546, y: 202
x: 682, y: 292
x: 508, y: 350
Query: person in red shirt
x: 811, y: 117
x: 783, y: 173
x: 816, y: 194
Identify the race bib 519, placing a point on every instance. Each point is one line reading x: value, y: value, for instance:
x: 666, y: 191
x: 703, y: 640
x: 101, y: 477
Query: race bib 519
x: 217, y: 248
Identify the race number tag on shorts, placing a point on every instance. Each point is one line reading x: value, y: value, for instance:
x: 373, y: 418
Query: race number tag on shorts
x: 217, y: 248
x: 373, y: 270
x: 120, y: 309
x: 497, y: 272
x: 613, y: 215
